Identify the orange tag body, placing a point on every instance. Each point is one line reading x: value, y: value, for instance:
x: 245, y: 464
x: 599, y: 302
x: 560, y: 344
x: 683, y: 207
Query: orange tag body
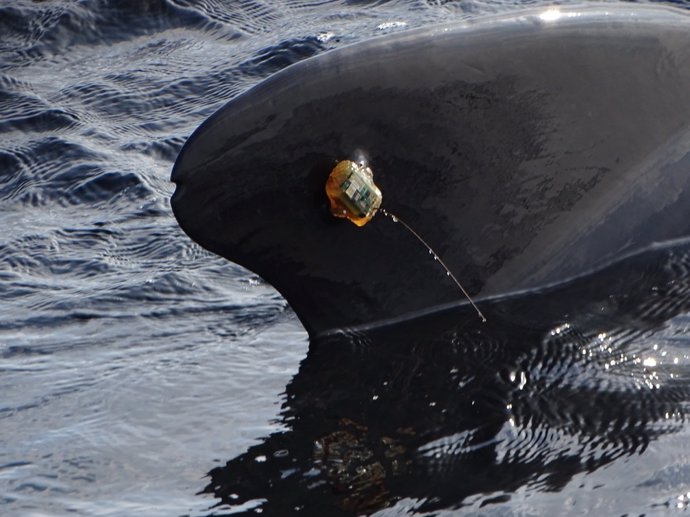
x: 352, y: 192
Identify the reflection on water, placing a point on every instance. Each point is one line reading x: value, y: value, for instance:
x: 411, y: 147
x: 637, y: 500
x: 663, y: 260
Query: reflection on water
x: 441, y: 408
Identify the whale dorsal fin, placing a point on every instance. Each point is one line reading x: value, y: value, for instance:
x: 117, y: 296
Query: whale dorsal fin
x: 524, y: 149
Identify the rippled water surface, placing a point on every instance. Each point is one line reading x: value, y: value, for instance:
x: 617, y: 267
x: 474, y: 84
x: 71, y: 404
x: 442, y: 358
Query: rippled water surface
x: 133, y: 363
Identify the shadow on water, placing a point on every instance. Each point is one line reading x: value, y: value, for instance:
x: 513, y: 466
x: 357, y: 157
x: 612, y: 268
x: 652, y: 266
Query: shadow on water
x: 442, y: 407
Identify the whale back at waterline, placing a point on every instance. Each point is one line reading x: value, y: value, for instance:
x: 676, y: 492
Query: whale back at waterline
x: 525, y: 149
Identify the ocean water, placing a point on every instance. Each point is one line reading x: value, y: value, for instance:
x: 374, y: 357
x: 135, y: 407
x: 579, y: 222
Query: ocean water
x: 141, y: 375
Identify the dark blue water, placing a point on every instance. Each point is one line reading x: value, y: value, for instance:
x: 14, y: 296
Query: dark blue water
x: 132, y: 362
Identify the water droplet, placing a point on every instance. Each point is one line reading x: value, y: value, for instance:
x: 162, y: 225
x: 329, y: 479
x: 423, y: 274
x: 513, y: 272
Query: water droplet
x: 650, y: 362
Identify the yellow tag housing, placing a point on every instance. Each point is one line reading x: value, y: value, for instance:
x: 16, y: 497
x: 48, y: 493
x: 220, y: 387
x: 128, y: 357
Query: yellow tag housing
x: 352, y: 192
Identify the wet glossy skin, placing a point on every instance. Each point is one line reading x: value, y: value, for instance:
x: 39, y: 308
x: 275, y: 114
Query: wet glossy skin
x: 524, y: 149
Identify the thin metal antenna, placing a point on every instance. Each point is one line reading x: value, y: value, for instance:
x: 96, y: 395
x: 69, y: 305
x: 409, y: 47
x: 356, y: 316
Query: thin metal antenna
x: 396, y: 219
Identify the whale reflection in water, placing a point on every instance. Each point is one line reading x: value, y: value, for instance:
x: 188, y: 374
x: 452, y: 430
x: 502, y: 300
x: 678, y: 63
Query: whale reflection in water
x: 445, y: 411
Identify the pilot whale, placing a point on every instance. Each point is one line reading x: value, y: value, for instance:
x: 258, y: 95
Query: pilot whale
x: 545, y: 156
x: 525, y: 148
